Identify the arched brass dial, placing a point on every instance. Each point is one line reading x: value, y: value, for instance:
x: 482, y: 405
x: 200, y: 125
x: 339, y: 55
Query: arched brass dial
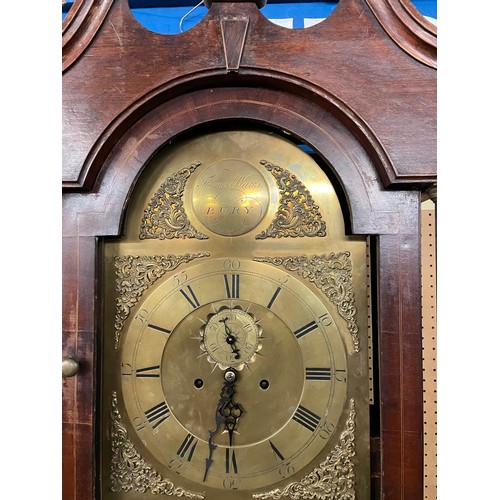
x: 233, y: 338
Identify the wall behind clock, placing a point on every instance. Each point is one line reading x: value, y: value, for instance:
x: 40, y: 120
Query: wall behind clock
x: 429, y: 344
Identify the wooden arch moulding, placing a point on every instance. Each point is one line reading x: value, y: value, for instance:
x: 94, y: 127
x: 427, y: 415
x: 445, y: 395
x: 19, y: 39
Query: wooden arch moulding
x: 359, y: 88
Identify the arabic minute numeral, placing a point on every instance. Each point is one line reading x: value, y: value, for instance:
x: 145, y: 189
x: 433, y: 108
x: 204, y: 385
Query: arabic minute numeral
x: 230, y: 483
x: 326, y: 430
x: 340, y: 375
x: 142, y: 315
x: 231, y: 265
x: 286, y: 470
x: 176, y: 465
x: 325, y: 319
x: 180, y: 279
x: 126, y: 369
x: 139, y: 423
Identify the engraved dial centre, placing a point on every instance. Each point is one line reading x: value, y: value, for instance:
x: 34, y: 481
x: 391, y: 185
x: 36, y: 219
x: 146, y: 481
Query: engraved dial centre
x: 193, y: 405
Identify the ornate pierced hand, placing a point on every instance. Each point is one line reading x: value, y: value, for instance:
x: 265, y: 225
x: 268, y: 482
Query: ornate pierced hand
x: 227, y: 414
x: 230, y: 338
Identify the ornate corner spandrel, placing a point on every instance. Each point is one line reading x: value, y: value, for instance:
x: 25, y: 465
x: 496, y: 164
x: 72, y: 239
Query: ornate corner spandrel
x: 332, y: 274
x: 135, y: 274
x: 165, y: 217
x: 129, y: 470
x: 333, y: 479
x: 297, y: 214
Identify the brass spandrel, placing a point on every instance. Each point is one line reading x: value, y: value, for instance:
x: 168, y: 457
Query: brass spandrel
x: 165, y: 217
x: 334, y: 478
x: 135, y: 274
x: 297, y: 214
x: 129, y: 470
x: 332, y: 274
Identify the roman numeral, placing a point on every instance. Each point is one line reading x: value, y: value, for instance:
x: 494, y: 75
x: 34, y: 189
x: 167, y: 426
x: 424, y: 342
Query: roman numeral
x: 306, y: 418
x: 159, y: 328
x: 318, y: 373
x: 149, y: 372
x: 273, y: 298
x: 188, y: 445
x: 158, y: 414
x: 305, y: 329
x: 233, y: 288
x: 276, y: 451
x: 231, y: 461
x: 189, y: 295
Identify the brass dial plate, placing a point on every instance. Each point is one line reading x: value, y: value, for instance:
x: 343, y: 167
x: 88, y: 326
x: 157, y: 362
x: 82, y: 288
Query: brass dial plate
x: 299, y: 368
x: 302, y: 359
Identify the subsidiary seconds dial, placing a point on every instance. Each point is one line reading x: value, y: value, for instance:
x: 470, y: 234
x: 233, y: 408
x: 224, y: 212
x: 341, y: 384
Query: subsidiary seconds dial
x: 231, y: 337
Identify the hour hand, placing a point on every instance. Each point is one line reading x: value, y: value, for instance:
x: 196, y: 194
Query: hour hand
x: 232, y: 412
x: 227, y: 414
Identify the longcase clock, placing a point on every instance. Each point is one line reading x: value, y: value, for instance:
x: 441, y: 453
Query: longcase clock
x: 240, y: 262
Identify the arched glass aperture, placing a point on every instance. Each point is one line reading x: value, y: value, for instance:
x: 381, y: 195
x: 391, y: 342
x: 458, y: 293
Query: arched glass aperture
x: 428, y: 8
x: 171, y: 17
x: 298, y: 14
x: 168, y: 17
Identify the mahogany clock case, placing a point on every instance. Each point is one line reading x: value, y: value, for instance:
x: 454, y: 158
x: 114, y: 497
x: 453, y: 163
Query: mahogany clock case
x: 373, y: 137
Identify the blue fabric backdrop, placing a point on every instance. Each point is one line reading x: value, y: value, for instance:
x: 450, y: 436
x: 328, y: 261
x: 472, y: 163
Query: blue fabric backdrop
x: 179, y: 16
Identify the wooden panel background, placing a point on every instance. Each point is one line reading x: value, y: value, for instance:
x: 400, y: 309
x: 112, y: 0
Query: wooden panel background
x: 429, y: 353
